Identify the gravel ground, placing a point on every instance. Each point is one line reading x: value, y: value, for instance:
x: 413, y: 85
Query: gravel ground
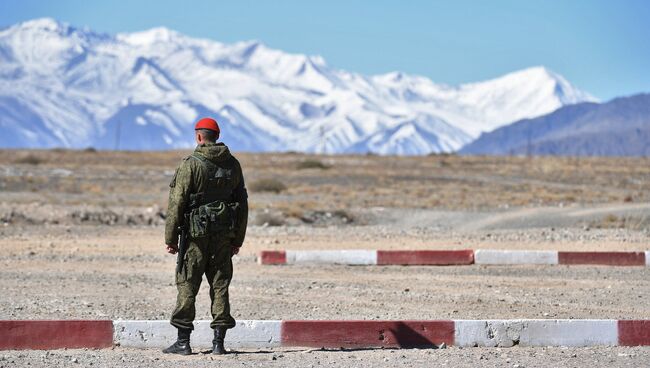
x: 81, y: 237
x: 122, y: 273
x: 122, y: 289
x: 519, y: 357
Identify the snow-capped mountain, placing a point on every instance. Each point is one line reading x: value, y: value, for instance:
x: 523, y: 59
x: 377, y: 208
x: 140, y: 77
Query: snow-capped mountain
x: 61, y: 86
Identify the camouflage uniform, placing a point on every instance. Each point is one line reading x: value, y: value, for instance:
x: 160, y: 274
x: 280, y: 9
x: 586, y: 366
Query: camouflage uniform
x: 210, y: 255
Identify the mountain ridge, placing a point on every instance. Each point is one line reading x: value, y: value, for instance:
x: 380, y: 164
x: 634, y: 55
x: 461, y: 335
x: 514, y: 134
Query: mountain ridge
x: 619, y: 127
x: 73, y: 87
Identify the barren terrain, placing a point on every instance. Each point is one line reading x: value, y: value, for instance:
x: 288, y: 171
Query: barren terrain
x: 81, y: 235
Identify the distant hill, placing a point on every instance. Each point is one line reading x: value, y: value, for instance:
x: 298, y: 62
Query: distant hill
x: 620, y: 127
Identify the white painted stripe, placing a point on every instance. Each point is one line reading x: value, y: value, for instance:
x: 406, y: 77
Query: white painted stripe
x: 488, y: 333
x: 348, y: 257
x: 496, y: 257
x: 248, y: 334
x: 569, y: 333
x: 290, y: 256
x: 647, y: 258
x: 506, y: 333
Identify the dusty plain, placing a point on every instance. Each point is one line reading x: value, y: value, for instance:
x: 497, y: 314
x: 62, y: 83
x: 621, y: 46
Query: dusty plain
x: 81, y: 235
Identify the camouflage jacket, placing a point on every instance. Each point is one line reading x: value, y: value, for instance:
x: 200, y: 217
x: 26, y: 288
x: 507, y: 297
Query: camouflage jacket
x: 190, y: 179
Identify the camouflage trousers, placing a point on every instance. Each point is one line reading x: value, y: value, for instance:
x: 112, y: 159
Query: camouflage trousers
x: 211, y: 257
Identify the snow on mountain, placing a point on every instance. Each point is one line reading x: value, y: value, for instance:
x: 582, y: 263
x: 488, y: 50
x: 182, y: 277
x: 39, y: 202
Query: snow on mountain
x: 61, y: 86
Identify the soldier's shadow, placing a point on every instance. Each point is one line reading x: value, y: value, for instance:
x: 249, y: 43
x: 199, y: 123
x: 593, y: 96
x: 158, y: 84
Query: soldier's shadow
x: 401, y: 336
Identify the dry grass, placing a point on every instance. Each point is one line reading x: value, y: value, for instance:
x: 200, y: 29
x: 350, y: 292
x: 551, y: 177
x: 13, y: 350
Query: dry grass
x: 612, y: 221
x: 312, y: 164
x: 269, y: 219
x: 29, y: 159
x: 268, y: 185
x: 441, y: 181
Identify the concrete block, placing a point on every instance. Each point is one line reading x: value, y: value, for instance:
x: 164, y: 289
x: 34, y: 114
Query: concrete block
x: 488, y: 333
x: 250, y: 334
x: 569, y: 333
x: 57, y: 334
x: 633, y: 333
x: 347, y: 257
x: 367, y: 334
x: 502, y: 257
x: 507, y: 333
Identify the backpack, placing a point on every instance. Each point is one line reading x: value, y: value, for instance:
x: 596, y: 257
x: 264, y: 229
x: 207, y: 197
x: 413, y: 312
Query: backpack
x: 211, y: 212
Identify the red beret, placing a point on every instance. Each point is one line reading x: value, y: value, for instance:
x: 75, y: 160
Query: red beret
x: 207, y: 123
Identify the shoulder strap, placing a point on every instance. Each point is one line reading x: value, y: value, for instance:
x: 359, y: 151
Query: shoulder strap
x: 207, y: 164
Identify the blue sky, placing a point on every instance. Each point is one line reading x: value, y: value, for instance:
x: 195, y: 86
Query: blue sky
x: 602, y: 47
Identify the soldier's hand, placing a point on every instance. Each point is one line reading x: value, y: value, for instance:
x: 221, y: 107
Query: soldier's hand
x: 235, y: 250
x: 172, y: 249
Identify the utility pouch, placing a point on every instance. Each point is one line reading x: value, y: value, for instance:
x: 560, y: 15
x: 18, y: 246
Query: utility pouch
x: 214, y: 218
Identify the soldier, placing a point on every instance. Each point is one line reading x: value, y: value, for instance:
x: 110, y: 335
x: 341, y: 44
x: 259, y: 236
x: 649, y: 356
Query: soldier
x: 208, y: 199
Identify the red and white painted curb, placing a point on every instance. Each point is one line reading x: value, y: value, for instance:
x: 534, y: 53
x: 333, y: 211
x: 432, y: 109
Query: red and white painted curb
x: 72, y: 334
x: 452, y: 257
x: 253, y: 334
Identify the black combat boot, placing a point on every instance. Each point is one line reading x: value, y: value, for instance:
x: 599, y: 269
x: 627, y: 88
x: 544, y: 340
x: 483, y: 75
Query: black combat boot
x: 217, y: 343
x: 182, y: 344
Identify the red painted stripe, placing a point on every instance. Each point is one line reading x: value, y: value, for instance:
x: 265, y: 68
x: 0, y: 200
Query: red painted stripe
x: 273, y: 257
x: 602, y: 258
x: 425, y: 257
x: 634, y: 333
x: 55, y: 334
x: 367, y: 334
